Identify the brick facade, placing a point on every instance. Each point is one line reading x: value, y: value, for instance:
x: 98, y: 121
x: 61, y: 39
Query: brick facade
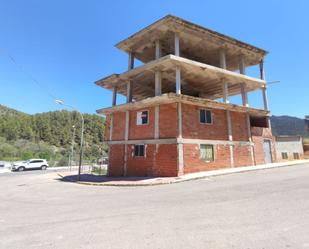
x: 159, y: 160
x: 168, y: 121
x: 193, y: 163
x: 144, y: 131
x: 116, y: 160
x: 163, y: 159
x: 192, y: 128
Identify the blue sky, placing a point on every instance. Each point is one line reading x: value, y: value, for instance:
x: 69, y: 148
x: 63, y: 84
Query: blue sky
x: 67, y: 45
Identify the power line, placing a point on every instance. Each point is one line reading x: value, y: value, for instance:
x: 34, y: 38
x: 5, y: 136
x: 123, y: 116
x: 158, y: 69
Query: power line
x: 28, y: 74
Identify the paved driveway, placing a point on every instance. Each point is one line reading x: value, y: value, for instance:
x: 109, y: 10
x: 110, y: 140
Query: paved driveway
x: 261, y: 209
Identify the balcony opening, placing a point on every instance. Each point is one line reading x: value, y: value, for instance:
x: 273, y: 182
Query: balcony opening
x: 259, y: 122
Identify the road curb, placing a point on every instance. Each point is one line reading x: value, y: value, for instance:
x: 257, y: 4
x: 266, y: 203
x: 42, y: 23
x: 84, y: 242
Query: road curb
x: 203, y: 175
x: 117, y: 184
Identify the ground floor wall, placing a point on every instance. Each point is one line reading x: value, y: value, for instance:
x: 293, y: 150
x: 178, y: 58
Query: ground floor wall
x: 222, y: 157
x: 159, y: 160
x: 166, y: 159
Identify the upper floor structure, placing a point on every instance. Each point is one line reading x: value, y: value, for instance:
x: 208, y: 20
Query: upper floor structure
x: 187, y: 59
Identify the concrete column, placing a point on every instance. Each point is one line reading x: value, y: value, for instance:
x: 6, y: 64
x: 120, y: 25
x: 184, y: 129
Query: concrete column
x: 158, y: 49
x: 126, y: 129
x: 225, y: 91
x: 179, y: 118
x: 244, y: 95
x: 242, y: 65
x: 158, y: 83
x: 131, y: 61
x: 242, y: 70
x: 177, y: 46
x: 222, y: 58
x: 229, y: 126
x: 126, y: 137
x: 114, y: 102
x: 129, y: 91
x: 180, y: 160
x: 130, y: 83
x: 230, y: 137
x: 157, y: 122
x: 125, y: 162
x: 111, y: 127
x: 265, y: 100
x: 264, y: 91
x: 178, y: 80
x: 262, y: 72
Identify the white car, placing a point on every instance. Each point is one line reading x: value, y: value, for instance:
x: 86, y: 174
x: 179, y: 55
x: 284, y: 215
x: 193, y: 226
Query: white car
x: 30, y: 164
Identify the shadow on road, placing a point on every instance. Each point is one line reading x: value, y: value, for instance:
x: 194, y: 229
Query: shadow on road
x: 89, y: 178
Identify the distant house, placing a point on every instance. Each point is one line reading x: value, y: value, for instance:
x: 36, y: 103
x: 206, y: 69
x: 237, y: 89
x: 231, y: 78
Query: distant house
x: 289, y: 148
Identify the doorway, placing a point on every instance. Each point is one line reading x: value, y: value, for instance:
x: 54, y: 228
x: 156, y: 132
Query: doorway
x: 267, y: 151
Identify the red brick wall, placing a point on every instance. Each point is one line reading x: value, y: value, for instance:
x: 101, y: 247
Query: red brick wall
x: 239, y: 126
x: 141, y: 131
x: 242, y: 155
x: 168, y: 121
x: 192, y: 128
x: 119, y: 125
x: 193, y: 163
x: 166, y: 162
x: 160, y: 160
x: 116, y: 159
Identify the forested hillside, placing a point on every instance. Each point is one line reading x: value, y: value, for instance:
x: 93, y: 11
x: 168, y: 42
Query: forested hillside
x: 48, y: 135
x: 287, y: 125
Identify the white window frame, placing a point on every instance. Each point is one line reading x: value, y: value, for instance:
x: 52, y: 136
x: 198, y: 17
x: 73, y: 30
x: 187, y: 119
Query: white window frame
x: 199, y: 116
x: 137, y: 123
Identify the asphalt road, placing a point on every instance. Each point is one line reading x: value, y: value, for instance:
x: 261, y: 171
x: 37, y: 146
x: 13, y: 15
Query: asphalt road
x: 261, y: 209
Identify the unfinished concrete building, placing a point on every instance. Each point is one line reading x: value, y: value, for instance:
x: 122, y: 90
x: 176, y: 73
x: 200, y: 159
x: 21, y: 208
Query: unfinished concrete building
x: 177, y: 118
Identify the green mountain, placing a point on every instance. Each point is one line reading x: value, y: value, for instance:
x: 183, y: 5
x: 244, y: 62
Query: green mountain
x: 23, y: 136
x: 287, y: 125
x: 49, y: 134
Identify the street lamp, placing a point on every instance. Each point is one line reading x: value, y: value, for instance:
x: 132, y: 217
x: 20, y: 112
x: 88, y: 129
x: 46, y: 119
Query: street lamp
x: 72, y: 147
x: 61, y: 102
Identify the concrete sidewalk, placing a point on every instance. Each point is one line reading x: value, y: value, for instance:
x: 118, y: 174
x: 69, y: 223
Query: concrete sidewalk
x: 89, y: 179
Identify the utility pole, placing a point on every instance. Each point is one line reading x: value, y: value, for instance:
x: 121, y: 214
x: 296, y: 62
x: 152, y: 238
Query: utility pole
x: 72, y: 147
x: 61, y: 102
